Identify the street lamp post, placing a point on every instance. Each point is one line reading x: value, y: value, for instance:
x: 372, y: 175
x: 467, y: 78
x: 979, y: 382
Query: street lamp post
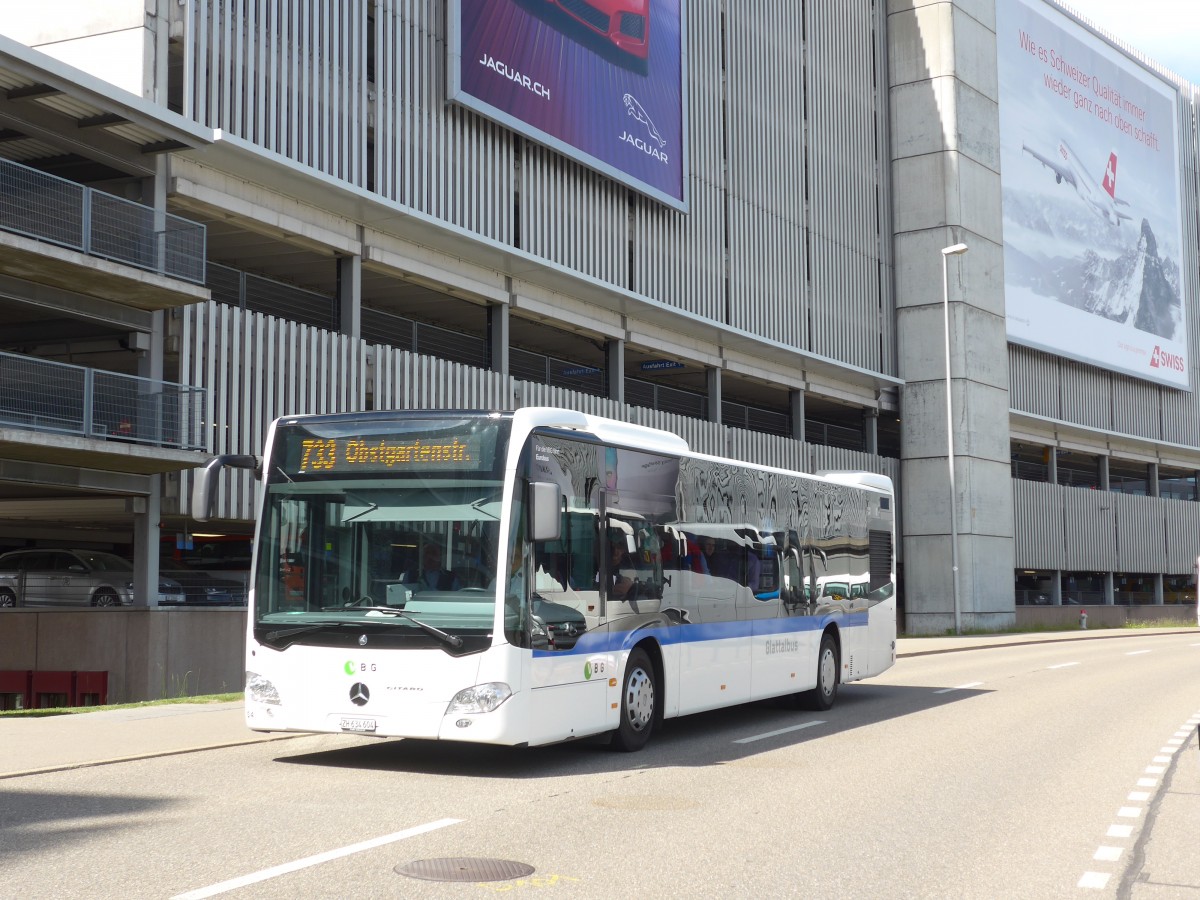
x: 947, y: 252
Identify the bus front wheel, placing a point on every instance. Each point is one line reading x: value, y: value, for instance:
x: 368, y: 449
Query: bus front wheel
x: 822, y: 696
x: 638, y: 698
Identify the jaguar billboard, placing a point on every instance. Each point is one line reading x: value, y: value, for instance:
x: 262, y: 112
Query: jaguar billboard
x: 1091, y: 186
x: 598, y: 80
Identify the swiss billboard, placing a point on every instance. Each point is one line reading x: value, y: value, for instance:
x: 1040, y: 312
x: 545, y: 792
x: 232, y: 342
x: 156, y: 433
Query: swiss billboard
x: 1092, y: 217
x: 598, y: 80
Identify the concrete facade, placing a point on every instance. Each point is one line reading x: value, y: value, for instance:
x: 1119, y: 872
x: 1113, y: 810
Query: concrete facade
x: 947, y: 186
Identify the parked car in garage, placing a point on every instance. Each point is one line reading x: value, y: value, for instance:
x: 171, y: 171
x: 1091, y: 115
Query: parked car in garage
x: 73, y: 578
x: 203, y: 589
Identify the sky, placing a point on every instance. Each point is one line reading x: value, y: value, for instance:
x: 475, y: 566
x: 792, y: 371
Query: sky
x: 1167, y: 31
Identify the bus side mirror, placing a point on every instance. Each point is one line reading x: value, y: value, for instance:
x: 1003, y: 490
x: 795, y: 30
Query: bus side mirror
x: 204, y: 481
x: 545, y: 511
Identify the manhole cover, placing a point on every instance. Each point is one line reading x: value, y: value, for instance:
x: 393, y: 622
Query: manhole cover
x: 465, y: 869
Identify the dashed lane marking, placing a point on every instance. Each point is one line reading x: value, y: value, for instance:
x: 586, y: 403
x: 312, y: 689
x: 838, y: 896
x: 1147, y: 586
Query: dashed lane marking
x: 777, y: 732
x: 1111, y: 853
x: 961, y: 687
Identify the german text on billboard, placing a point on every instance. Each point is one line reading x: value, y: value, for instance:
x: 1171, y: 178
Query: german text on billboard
x: 598, y: 80
x: 1092, y: 216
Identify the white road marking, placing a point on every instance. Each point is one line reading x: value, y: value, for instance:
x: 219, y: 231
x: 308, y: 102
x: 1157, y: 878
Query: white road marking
x: 1167, y: 749
x: 1161, y: 759
x: 1147, y: 782
x: 1121, y: 831
x: 961, y: 687
x: 1136, y: 652
x: 1108, y: 854
x: 286, y: 868
x: 1063, y: 665
x: 1097, y: 880
x: 1129, y: 812
x: 771, y: 734
x: 1155, y: 770
x: 1138, y: 796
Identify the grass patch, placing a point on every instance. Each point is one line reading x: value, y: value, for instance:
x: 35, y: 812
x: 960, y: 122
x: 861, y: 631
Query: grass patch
x: 74, y: 710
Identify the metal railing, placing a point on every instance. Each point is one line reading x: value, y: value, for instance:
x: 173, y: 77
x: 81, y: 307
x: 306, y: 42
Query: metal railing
x: 59, y: 397
x: 52, y: 209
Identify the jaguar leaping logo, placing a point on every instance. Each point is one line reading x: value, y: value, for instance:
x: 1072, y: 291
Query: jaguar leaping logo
x: 635, y: 109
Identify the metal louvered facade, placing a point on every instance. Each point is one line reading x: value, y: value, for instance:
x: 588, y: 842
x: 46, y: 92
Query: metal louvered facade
x: 786, y: 236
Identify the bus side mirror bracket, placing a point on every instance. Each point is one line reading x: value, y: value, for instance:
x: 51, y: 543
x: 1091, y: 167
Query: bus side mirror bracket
x: 204, y: 480
x: 545, y: 511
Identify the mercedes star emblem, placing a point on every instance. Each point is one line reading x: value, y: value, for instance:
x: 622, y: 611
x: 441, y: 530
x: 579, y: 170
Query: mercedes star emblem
x: 359, y: 694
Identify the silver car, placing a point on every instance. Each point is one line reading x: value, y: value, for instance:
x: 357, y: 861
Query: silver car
x: 72, y: 578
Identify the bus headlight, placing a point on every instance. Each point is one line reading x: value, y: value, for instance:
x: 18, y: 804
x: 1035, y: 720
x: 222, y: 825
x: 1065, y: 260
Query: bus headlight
x: 261, y: 690
x: 482, y: 698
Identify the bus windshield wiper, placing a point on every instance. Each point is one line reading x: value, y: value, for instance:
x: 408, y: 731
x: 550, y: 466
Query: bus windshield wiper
x: 282, y: 633
x: 452, y: 639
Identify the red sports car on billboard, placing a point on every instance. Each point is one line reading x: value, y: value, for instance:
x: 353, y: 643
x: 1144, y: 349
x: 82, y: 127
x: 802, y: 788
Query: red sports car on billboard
x: 626, y: 23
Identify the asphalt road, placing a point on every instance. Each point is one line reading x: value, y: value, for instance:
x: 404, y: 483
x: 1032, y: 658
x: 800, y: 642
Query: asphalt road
x: 991, y: 773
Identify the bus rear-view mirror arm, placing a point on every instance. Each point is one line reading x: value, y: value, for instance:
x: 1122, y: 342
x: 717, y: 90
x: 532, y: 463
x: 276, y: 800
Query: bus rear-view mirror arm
x: 204, y: 480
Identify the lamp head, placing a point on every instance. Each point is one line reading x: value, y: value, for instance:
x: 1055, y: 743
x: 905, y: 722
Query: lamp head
x: 955, y: 250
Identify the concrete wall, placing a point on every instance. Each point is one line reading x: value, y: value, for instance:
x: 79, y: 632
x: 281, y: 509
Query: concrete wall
x: 1103, y: 616
x: 149, y: 654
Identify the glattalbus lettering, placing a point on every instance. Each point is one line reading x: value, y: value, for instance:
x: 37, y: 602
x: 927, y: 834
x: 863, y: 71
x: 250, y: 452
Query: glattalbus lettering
x: 652, y: 152
x: 782, y: 645
x: 504, y: 70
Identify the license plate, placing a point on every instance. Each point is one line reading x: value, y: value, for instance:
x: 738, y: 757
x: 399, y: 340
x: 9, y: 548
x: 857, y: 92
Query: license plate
x: 359, y: 725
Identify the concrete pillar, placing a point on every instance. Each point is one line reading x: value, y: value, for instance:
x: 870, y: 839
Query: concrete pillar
x: 497, y: 338
x: 871, y: 431
x: 1158, y: 589
x: 614, y: 369
x: 713, y: 379
x: 1152, y: 483
x: 1052, y: 465
x: 1056, y: 596
x: 1102, y: 473
x: 796, y: 403
x: 349, y: 295
x: 946, y: 190
x: 1110, y: 589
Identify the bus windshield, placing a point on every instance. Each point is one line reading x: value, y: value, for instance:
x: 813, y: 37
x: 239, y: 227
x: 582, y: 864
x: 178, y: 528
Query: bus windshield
x: 357, y: 531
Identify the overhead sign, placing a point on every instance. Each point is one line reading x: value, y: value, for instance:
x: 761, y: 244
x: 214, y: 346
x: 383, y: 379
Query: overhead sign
x: 1090, y: 173
x: 601, y: 81
x: 661, y: 365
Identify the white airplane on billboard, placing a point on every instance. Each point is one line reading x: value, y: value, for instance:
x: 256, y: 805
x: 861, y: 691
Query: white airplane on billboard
x: 1100, y: 196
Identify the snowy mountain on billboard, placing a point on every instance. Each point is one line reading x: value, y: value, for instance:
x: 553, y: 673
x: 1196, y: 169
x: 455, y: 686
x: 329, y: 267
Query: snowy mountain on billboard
x: 1135, y: 287
x: 1086, y: 263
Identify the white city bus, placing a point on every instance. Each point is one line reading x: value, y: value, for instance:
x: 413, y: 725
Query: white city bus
x: 574, y: 595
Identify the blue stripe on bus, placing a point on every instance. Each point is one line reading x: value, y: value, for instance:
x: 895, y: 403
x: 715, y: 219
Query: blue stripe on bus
x: 613, y: 641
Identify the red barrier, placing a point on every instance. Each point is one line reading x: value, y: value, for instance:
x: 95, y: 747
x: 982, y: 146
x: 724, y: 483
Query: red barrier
x: 53, y: 689
x: 16, y: 690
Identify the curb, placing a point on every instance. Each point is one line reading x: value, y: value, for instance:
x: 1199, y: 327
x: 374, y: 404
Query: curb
x: 1012, y: 642
x: 88, y: 764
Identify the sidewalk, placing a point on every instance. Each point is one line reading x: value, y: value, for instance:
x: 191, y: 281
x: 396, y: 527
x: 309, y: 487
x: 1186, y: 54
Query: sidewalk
x: 35, y: 744
x: 45, y: 744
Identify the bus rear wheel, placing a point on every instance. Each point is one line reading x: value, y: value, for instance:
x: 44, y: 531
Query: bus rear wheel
x: 822, y: 696
x: 638, y: 699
